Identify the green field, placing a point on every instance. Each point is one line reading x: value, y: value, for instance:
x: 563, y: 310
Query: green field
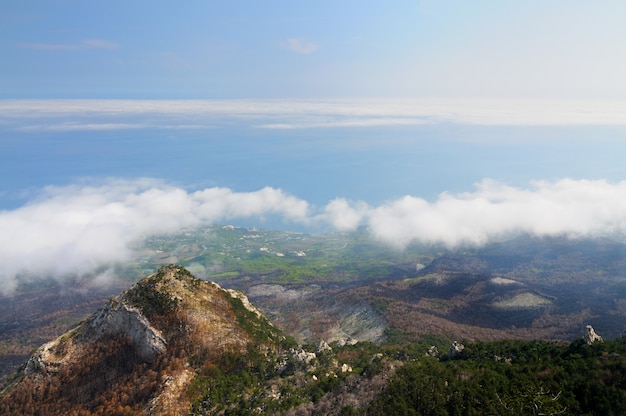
x: 226, y: 253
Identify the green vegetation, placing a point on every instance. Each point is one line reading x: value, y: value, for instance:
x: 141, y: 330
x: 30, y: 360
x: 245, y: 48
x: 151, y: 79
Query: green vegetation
x: 512, y: 378
x: 258, y: 327
x: 229, y: 253
x: 269, y: 383
x: 523, y: 300
x: 236, y: 387
x: 151, y: 300
x: 502, y: 377
x: 262, y: 371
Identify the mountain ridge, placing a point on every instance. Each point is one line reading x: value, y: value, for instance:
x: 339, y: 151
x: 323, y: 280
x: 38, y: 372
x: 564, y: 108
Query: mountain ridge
x: 151, y: 335
x: 173, y: 344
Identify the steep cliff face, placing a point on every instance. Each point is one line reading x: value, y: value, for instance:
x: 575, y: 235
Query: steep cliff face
x: 139, y: 353
x: 119, y: 317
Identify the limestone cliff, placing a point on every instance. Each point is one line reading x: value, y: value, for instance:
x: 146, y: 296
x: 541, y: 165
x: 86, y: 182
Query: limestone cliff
x: 119, y: 317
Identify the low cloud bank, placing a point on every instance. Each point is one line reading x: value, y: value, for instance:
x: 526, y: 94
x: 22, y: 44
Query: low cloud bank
x: 567, y: 207
x: 91, y: 114
x: 74, y: 230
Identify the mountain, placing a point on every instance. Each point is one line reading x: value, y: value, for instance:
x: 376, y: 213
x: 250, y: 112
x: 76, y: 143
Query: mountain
x: 34, y: 316
x: 141, y: 352
x: 173, y: 344
x: 347, y: 287
x: 524, y: 288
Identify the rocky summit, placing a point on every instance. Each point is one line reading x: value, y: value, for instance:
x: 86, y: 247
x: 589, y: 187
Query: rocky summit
x: 140, y: 353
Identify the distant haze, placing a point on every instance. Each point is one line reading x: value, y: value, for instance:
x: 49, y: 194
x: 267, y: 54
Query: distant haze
x: 446, y: 122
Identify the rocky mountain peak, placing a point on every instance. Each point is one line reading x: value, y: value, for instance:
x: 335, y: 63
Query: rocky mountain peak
x: 157, y: 335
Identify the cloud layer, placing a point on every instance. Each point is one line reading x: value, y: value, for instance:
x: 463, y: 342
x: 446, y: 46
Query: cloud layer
x: 567, y: 207
x: 84, y: 44
x: 74, y: 230
x: 76, y: 114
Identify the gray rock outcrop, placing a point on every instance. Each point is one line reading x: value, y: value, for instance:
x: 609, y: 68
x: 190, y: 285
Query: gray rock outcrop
x: 118, y: 317
x: 591, y: 336
x: 455, y: 349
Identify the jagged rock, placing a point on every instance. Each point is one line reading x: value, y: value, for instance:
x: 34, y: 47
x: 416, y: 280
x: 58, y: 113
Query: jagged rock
x: 303, y: 356
x: 49, y: 357
x: 244, y: 300
x: 298, y: 357
x: 455, y: 349
x: 347, y: 341
x: 345, y: 368
x: 119, y: 317
x: 323, y: 347
x: 591, y: 336
x: 115, y: 318
x: 432, y: 351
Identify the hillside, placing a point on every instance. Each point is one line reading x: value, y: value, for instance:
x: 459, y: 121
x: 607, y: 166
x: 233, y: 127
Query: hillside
x: 347, y: 287
x: 173, y: 344
x: 525, y: 288
x: 142, y: 350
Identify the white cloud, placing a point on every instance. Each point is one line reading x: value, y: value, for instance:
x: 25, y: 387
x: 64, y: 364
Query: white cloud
x: 100, y: 44
x: 567, y: 207
x: 344, y: 216
x: 84, y: 44
x: 77, y: 126
x: 76, y: 230
x: 51, y: 46
x: 281, y: 114
x: 301, y: 46
x: 356, y: 122
x: 73, y: 230
x: 74, y: 126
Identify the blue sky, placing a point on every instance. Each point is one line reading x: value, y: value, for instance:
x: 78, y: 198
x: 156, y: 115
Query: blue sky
x: 244, y: 49
x: 444, y: 122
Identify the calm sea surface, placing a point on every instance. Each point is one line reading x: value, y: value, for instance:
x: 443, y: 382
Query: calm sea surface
x: 370, y: 164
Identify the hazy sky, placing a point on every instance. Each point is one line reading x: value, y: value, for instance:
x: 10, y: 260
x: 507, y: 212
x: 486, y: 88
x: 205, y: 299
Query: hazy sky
x: 244, y: 49
x: 446, y: 122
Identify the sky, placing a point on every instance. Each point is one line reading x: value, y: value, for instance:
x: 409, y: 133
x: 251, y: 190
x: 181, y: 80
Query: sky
x: 443, y: 122
x: 248, y: 49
